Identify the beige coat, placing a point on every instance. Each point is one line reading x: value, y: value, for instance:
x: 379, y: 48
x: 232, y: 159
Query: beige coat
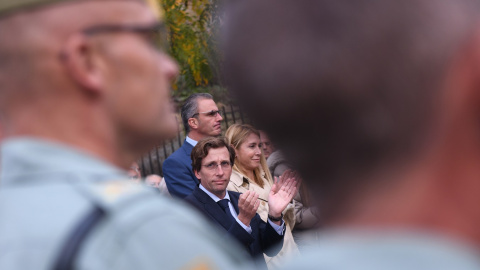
x: 306, y: 217
x: 241, y: 183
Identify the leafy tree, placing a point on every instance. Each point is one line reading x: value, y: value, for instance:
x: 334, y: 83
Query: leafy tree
x: 192, y: 30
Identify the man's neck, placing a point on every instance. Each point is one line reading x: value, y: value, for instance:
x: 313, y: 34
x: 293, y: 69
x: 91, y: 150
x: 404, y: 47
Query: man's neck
x: 91, y: 136
x: 215, y: 196
x: 194, y: 135
x: 437, y: 196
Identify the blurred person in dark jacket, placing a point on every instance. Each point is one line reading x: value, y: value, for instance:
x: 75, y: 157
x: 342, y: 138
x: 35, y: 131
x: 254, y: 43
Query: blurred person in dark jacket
x: 376, y: 103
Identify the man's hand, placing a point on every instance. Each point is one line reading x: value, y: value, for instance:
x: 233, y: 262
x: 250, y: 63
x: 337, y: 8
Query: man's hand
x: 282, y: 192
x: 247, y: 206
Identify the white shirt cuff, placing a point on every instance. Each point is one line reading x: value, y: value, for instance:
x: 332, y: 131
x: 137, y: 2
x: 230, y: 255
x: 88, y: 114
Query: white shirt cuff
x: 247, y: 228
x: 278, y: 228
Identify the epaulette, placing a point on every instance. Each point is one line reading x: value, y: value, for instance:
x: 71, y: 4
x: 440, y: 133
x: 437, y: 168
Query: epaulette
x: 113, y: 193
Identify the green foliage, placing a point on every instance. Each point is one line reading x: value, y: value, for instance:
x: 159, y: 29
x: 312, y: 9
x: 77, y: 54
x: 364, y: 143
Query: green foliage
x: 192, y: 27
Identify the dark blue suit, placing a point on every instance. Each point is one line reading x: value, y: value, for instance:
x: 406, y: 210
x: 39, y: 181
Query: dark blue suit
x: 263, y: 239
x: 178, y: 173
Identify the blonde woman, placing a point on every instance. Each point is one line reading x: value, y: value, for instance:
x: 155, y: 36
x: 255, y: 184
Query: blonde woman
x: 250, y: 172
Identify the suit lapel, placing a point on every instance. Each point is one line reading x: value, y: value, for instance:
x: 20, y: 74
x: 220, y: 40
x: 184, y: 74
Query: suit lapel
x: 212, y: 208
x: 187, y: 150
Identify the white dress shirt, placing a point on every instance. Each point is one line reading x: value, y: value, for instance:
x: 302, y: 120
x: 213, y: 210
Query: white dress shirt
x: 278, y: 228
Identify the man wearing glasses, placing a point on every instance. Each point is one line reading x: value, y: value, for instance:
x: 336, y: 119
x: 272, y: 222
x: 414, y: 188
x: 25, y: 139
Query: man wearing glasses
x: 235, y: 213
x: 201, y: 118
x: 69, y: 72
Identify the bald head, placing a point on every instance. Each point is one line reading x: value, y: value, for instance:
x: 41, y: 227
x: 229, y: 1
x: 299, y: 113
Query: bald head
x: 153, y: 180
x: 30, y: 55
x: 77, y: 66
x: 345, y: 86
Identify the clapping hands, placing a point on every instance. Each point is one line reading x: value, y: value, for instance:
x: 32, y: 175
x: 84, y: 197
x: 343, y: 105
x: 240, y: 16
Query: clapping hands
x: 247, y: 205
x: 283, y: 190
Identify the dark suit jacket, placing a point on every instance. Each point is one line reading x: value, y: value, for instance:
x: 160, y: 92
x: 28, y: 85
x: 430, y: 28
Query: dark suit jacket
x: 263, y: 239
x: 178, y: 173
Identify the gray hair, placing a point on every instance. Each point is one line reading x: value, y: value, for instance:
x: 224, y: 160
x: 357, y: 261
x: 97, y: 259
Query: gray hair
x: 190, y: 107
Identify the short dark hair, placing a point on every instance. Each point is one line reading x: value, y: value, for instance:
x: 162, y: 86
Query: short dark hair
x: 200, y: 151
x: 344, y: 87
x: 190, y: 107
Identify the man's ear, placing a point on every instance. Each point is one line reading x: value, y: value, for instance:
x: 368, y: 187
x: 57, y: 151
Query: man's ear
x: 462, y: 79
x: 193, y: 123
x: 476, y: 58
x: 197, y: 175
x: 82, y: 62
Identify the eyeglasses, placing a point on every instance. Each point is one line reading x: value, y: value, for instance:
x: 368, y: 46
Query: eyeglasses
x: 212, y: 166
x: 211, y: 113
x: 155, y: 34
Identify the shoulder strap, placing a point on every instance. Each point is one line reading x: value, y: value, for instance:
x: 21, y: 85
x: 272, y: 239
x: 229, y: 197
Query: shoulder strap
x: 106, y: 197
x: 74, y: 241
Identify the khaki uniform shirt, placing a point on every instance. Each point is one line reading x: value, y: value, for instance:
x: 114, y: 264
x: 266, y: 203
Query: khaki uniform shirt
x: 47, y: 188
x: 397, y: 249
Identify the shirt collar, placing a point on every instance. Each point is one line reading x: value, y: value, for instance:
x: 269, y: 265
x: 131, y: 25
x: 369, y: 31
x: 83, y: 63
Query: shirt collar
x: 426, y: 248
x: 27, y: 157
x: 191, y: 141
x: 213, y: 196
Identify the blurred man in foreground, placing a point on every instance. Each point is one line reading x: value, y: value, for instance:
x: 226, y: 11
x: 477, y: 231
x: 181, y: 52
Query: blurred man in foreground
x: 69, y: 72
x: 376, y: 103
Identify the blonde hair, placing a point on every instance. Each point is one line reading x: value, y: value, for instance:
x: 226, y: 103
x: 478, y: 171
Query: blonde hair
x: 236, y: 135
